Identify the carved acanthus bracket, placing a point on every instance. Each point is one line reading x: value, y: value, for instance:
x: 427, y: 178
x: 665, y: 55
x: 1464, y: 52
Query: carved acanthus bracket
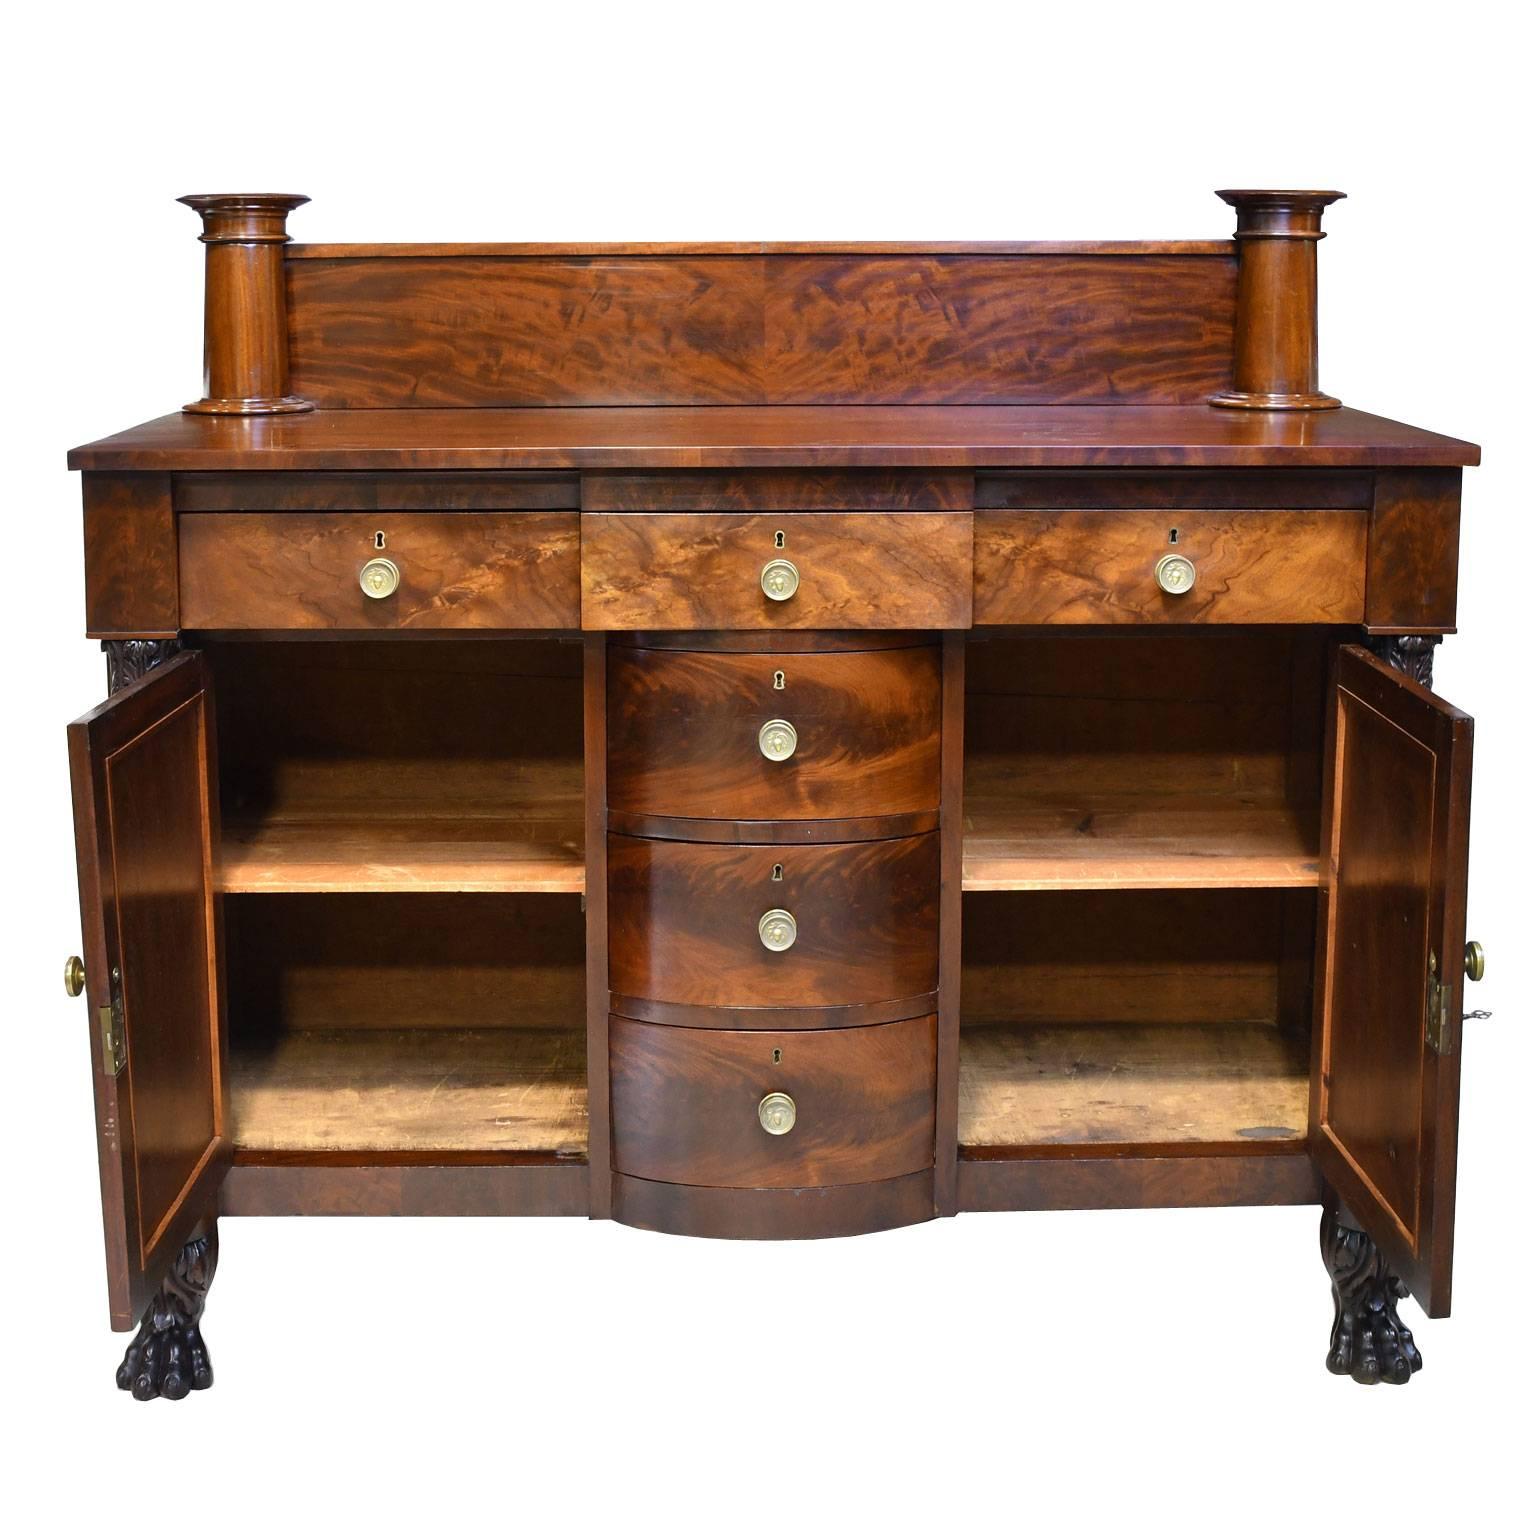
x: 1413, y: 655
x: 1369, y: 1340
x: 168, y: 1357
x: 129, y: 660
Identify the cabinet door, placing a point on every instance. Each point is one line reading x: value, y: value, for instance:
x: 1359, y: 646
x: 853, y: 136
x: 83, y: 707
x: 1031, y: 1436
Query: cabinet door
x: 146, y: 829
x: 1387, y: 1043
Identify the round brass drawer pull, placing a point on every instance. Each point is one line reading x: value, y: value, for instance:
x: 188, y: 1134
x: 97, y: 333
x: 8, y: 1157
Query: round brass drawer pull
x: 1175, y: 574
x: 777, y: 930
x: 379, y: 578
x: 776, y: 1114
x: 1474, y: 961
x: 74, y: 976
x: 777, y: 741
x: 780, y: 580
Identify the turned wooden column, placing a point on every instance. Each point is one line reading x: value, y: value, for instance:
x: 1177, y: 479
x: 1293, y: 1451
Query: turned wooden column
x: 1275, y: 348
x: 245, y: 314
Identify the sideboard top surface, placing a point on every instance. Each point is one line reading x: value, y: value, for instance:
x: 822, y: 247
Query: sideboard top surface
x: 770, y: 436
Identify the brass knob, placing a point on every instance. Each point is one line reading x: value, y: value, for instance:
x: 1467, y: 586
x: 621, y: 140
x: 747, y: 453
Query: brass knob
x: 1175, y: 574
x: 780, y: 580
x: 379, y: 578
x: 776, y: 1114
x: 1474, y: 962
x: 777, y: 930
x: 777, y: 741
x: 74, y: 976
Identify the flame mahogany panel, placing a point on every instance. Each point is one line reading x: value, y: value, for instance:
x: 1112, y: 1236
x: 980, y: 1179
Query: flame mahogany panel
x: 685, y: 1103
x: 683, y: 733
x: 828, y: 328
x: 682, y: 921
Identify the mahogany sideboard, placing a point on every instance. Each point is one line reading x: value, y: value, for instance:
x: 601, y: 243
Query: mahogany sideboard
x: 771, y: 741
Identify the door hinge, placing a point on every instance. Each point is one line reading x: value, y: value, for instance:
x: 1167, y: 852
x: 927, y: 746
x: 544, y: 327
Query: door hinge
x: 1437, y: 1010
x: 109, y: 1018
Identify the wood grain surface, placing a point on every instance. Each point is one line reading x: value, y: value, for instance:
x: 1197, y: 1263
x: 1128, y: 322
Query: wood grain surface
x: 130, y: 556
x: 1121, y: 1085
x: 296, y: 570
x: 1097, y: 567
x: 790, y: 436
x: 683, y: 921
x: 702, y: 570
x: 823, y: 328
x: 425, y: 1090
x: 683, y: 733
x: 685, y: 1103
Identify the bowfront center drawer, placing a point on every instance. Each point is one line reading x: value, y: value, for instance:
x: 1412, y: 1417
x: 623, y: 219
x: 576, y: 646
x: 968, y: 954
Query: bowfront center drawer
x: 775, y: 570
x: 773, y: 735
x: 380, y: 570
x: 753, y: 1109
x: 723, y: 925
x: 1131, y: 566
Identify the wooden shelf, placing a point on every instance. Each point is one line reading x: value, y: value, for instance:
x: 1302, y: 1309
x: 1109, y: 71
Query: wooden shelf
x: 492, y: 1091
x: 307, y: 854
x: 1134, y: 843
x: 1106, y: 1085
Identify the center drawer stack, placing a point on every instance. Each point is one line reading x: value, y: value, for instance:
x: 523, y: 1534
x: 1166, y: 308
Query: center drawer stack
x: 773, y: 911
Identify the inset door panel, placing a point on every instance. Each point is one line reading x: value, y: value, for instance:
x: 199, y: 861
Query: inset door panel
x: 146, y: 822
x: 1392, y: 928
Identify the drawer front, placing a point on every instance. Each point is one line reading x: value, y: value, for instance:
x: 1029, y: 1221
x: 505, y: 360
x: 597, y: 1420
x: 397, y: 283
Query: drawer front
x: 705, y: 734
x: 688, y: 1104
x: 1100, y: 566
x: 456, y: 570
x: 684, y: 922
x: 706, y: 570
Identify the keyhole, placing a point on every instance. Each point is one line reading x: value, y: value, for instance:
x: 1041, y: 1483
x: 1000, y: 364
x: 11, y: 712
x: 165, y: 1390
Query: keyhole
x: 778, y: 679
x: 1173, y: 535
x: 778, y: 538
x: 778, y: 871
x: 778, y: 1055
x: 378, y: 539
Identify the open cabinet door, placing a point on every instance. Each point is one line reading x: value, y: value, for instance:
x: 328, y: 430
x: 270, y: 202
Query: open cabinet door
x: 146, y: 829
x: 1392, y: 926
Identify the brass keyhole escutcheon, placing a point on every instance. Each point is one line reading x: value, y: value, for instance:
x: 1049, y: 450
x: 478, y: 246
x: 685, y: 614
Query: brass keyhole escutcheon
x: 1175, y: 574
x: 379, y: 578
x: 777, y: 741
x: 776, y: 928
x: 776, y: 1114
x: 780, y: 580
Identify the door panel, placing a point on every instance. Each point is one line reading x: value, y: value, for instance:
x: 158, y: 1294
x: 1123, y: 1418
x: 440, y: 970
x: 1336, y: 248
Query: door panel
x: 146, y: 828
x: 1387, y: 1046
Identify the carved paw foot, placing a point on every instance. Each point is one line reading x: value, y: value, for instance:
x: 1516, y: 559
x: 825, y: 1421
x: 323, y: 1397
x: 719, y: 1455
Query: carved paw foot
x: 168, y: 1357
x: 1370, y: 1342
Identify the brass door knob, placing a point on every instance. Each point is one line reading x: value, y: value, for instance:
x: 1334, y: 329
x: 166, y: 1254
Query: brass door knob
x: 777, y: 930
x: 776, y: 1114
x: 1474, y: 961
x: 1175, y: 574
x: 74, y: 976
x: 780, y: 580
x: 777, y: 741
x: 379, y: 578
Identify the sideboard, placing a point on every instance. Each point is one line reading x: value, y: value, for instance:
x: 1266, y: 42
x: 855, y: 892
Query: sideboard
x: 771, y: 741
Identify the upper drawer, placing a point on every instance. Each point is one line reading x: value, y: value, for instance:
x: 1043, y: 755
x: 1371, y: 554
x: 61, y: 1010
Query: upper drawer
x: 772, y: 735
x: 455, y: 570
x: 1146, y: 566
x: 776, y: 570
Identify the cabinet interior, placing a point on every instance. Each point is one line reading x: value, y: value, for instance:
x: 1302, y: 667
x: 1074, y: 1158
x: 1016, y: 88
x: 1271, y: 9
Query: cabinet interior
x: 1141, y: 866
x: 402, y: 864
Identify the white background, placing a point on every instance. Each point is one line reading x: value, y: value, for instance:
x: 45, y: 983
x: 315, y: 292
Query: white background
x: 992, y: 1372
